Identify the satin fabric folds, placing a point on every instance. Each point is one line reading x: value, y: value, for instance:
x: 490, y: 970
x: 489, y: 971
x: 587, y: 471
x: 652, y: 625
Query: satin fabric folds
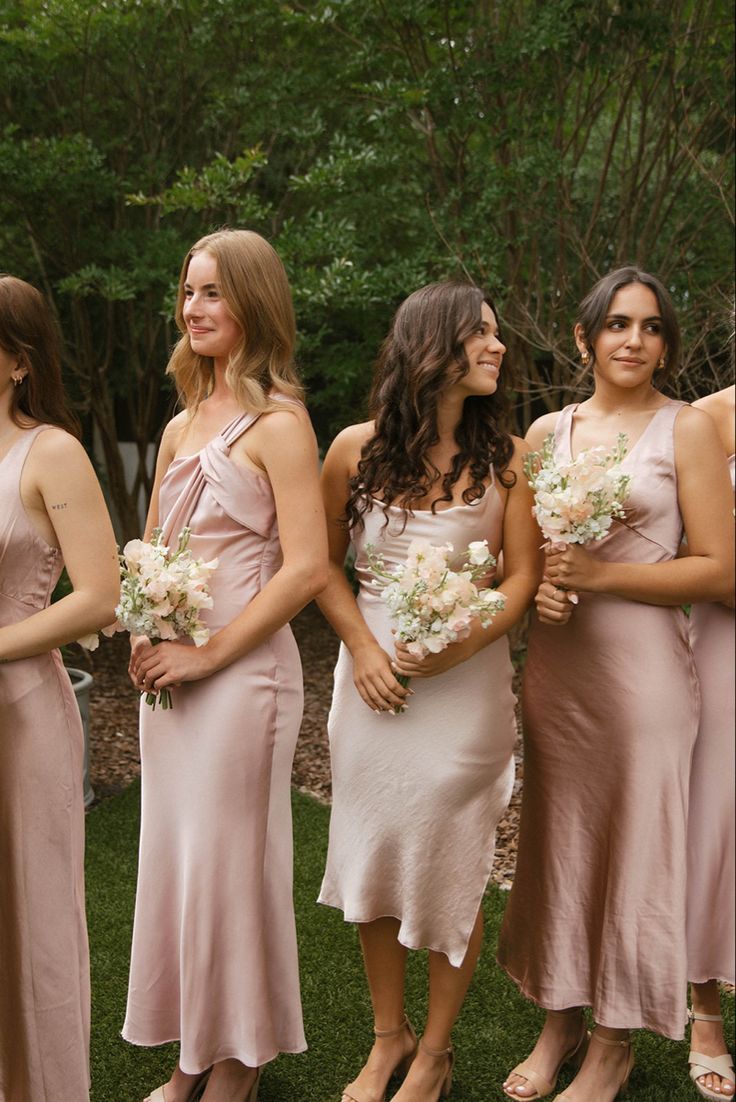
x: 214, y: 959
x: 596, y: 915
x: 417, y: 796
x: 44, y: 962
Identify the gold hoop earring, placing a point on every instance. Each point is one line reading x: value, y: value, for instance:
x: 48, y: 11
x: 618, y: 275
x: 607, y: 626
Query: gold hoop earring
x: 18, y: 379
x: 661, y: 363
x: 585, y: 357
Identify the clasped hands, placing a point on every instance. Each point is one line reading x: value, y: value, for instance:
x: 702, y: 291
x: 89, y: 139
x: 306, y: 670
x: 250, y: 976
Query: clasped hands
x: 567, y: 568
x: 375, y: 672
x: 153, y: 667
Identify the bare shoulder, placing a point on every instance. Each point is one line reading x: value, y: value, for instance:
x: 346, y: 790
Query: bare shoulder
x: 56, y: 445
x: 541, y: 428
x: 694, y: 428
x: 345, y: 449
x: 283, y: 425
x: 721, y: 407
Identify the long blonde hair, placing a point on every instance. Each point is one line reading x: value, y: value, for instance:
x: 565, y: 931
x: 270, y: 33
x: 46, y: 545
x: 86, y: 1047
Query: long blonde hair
x: 256, y: 290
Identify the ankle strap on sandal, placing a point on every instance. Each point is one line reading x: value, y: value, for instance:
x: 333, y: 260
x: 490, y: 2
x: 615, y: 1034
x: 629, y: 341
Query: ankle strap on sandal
x: 696, y: 1016
x: 623, y: 1043
x: 406, y: 1024
x: 436, y: 1052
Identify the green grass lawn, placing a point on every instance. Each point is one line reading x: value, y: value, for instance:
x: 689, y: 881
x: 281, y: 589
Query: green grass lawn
x: 496, y: 1029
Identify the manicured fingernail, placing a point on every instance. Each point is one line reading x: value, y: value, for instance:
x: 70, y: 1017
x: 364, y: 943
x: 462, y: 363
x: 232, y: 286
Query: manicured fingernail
x: 573, y: 598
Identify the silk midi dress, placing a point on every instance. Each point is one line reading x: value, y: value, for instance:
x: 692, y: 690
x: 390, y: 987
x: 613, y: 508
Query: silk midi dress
x: 610, y: 704
x: 417, y: 796
x: 214, y: 958
x: 44, y: 960
x: 711, y: 866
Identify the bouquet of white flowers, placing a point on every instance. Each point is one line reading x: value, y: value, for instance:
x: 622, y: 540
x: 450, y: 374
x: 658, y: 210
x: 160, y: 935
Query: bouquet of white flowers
x: 576, y: 502
x: 431, y: 603
x: 161, y: 595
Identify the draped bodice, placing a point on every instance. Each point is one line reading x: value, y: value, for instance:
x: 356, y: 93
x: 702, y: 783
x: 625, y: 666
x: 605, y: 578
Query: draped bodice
x: 652, y: 527
x: 29, y: 566
x: 231, y: 512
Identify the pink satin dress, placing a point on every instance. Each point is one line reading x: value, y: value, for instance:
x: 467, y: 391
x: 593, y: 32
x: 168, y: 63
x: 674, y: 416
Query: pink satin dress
x: 44, y: 961
x: 214, y: 959
x: 417, y: 796
x: 596, y: 915
x: 711, y: 867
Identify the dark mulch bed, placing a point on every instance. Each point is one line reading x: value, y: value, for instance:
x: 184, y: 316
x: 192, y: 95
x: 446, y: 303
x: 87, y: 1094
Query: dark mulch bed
x: 114, y: 756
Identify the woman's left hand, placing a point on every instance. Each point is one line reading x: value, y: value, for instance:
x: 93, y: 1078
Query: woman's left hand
x: 159, y: 666
x: 432, y: 664
x: 571, y: 567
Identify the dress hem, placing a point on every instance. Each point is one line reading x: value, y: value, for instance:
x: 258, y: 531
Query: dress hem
x: 600, y: 1017
x: 248, y: 1060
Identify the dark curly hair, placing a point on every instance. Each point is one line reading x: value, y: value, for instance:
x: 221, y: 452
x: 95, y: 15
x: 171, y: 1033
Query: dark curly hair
x: 421, y: 357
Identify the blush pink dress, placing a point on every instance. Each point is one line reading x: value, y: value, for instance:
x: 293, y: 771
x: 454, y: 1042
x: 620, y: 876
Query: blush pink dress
x: 417, y: 797
x: 44, y: 962
x: 214, y: 958
x: 711, y: 868
x: 596, y: 915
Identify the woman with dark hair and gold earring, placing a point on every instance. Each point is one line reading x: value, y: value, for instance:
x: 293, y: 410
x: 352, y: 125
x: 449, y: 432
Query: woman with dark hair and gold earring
x: 214, y: 959
x: 417, y: 796
x: 52, y: 514
x: 596, y: 916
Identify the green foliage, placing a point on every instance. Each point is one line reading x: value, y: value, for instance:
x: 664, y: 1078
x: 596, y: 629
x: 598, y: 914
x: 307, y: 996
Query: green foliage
x: 529, y: 146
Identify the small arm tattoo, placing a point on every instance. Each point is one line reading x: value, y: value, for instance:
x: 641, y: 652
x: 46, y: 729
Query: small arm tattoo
x: 61, y: 505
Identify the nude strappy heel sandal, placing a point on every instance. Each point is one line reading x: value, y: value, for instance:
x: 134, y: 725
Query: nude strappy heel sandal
x: 442, y: 1054
x: 700, y: 1064
x: 354, y: 1093
x: 624, y: 1043
x: 544, y: 1087
x: 159, y: 1096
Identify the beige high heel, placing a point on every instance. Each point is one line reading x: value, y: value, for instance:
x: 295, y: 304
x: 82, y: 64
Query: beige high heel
x: 542, y: 1086
x: 197, y: 1091
x: 442, y: 1054
x: 624, y: 1043
x: 701, y: 1065
x: 354, y: 1093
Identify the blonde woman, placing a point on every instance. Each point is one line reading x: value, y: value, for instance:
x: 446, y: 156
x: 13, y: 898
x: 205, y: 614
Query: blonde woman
x: 214, y: 960
x: 51, y: 514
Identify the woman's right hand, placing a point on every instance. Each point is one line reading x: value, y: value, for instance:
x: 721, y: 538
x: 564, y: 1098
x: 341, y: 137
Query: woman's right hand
x: 553, y: 604
x: 375, y: 680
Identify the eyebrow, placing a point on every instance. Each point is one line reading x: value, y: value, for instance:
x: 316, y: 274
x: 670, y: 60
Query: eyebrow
x: 626, y: 317
x: 205, y: 286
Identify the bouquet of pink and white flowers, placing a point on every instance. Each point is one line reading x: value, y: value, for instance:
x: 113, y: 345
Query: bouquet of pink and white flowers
x: 162, y: 593
x: 576, y: 502
x: 431, y: 603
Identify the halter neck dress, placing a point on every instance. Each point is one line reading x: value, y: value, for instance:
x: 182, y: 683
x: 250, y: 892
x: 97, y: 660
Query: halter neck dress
x: 417, y: 796
x: 214, y: 958
x: 596, y: 915
x: 44, y: 961
x: 711, y: 866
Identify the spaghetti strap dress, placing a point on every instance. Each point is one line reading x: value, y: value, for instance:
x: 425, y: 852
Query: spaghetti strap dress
x: 711, y: 868
x: 44, y: 960
x: 417, y: 796
x: 214, y: 957
x: 610, y: 706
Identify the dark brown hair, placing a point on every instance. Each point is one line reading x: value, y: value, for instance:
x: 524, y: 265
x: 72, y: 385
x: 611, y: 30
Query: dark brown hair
x: 594, y: 309
x: 421, y: 357
x: 27, y: 330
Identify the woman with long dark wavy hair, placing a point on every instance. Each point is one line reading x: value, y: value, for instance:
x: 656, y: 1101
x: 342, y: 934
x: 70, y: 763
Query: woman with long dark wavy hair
x: 417, y: 795
x: 597, y: 913
x: 51, y: 514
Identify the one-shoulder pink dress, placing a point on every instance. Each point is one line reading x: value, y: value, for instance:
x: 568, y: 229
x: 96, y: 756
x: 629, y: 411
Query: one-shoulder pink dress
x: 214, y: 959
x: 596, y: 915
x: 711, y: 935
x: 417, y: 796
x: 44, y: 961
